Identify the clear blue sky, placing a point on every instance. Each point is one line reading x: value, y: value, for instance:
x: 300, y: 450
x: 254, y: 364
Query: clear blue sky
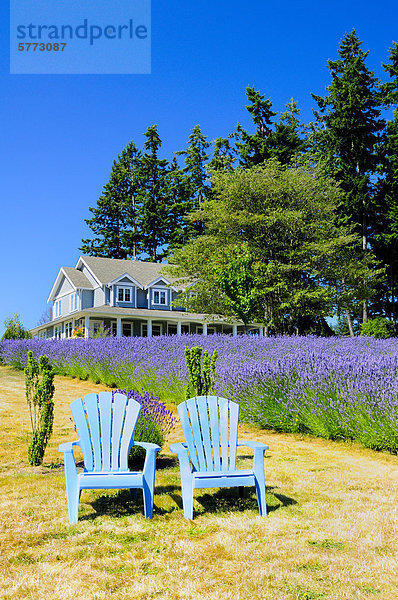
x: 60, y: 133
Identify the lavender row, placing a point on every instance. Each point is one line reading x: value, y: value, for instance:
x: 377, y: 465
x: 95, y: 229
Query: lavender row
x: 331, y: 387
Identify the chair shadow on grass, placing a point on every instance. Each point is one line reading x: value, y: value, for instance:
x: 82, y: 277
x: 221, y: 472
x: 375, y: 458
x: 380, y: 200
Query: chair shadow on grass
x: 236, y: 500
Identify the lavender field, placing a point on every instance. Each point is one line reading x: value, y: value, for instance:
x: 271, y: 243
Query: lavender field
x: 334, y: 388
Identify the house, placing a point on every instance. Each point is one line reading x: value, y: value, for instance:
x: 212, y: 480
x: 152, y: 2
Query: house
x: 127, y: 297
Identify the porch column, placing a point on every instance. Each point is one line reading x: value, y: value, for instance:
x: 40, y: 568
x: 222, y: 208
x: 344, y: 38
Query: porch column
x: 86, y: 327
x: 178, y: 327
x: 204, y: 330
x: 149, y: 328
x: 234, y: 330
x: 118, y: 326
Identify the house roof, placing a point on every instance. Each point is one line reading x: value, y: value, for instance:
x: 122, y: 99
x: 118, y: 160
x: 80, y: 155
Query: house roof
x: 77, y: 278
x: 107, y: 270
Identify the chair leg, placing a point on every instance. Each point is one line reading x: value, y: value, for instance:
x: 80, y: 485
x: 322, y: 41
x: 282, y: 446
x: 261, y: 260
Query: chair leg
x: 73, y: 497
x: 148, y: 500
x: 261, y: 495
x: 187, y: 497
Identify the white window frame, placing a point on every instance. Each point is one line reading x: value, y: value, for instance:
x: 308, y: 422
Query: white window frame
x: 74, y: 302
x: 160, y: 291
x: 57, y: 308
x: 68, y: 329
x: 124, y: 288
x: 58, y: 331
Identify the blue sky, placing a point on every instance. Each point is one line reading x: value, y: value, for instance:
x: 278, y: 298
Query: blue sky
x: 60, y: 133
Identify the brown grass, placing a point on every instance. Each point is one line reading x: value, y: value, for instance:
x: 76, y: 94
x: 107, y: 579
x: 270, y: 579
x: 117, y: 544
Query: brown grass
x: 331, y: 532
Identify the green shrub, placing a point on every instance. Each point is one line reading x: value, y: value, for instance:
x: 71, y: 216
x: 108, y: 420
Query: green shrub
x: 379, y: 327
x: 202, y: 377
x: 39, y: 389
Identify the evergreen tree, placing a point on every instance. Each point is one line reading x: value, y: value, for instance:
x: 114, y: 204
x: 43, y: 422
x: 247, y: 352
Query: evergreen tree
x: 224, y: 155
x: 386, y: 221
x: 195, y: 159
x: 181, y: 204
x: 114, y: 223
x: 155, y: 199
x: 253, y: 149
x: 349, y: 129
x: 286, y: 142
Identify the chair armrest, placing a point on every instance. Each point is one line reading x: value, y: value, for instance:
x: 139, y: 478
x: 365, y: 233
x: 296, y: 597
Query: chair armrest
x: 181, y: 450
x: 148, y: 446
x: 68, y: 446
x: 251, y: 444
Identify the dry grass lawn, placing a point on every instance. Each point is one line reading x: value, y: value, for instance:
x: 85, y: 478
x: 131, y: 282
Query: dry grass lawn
x: 331, y: 531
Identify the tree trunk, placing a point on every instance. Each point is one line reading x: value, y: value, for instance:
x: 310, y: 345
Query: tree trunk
x: 349, y: 321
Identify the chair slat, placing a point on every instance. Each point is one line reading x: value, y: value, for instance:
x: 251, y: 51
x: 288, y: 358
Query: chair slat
x: 196, y: 432
x: 186, y: 427
x: 224, y: 423
x: 215, y: 432
x: 79, y: 416
x: 91, y: 406
x: 130, y: 421
x: 105, y: 409
x: 233, y: 433
x: 202, y: 403
x: 118, y: 414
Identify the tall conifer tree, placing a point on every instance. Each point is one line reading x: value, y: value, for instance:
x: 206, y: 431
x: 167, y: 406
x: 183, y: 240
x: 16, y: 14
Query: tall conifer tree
x: 349, y: 129
x: 155, y: 209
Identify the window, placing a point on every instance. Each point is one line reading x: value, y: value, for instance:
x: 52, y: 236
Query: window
x: 58, y: 332
x: 124, y: 294
x: 159, y: 297
x: 57, y: 309
x: 68, y: 329
x: 126, y: 329
x: 73, y: 302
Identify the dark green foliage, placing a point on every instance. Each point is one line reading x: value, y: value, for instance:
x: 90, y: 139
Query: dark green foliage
x: 14, y: 329
x: 39, y: 389
x: 154, y: 217
x: 239, y: 278
x: 253, y: 148
x: 379, y: 327
x: 202, y: 373
x: 115, y: 223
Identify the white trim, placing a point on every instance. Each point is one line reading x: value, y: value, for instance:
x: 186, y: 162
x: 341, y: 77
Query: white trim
x: 79, y: 263
x: 126, y: 275
x: 133, y: 294
x: 56, y: 284
x: 167, y: 296
x: 155, y: 281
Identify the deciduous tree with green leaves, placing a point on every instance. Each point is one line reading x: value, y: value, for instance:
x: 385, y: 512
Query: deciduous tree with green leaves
x: 285, y: 220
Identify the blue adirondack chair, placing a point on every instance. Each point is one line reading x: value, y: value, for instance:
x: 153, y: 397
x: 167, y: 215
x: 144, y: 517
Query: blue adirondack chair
x: 208, y: 457
x: 105, y: 426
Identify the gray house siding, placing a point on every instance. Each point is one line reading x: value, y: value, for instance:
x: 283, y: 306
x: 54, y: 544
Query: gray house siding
x: 99, y: 297
x: 87, y: 298
x: 142, y: 299
x: 64, y: 288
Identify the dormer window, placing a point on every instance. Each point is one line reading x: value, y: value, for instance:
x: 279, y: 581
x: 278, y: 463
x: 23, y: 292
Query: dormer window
x: 159, y: 297
x: 124, y: 294
x: 57, y: 308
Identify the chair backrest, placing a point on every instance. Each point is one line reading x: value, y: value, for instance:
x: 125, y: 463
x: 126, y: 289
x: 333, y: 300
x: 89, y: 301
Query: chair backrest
x: 105, y: 425
x: 210, y: 426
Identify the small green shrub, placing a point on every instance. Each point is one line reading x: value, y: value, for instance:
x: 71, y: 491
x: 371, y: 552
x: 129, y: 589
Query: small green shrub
x: 202, y: 375
x: 39, y: 389
x: 379, y: 327
x: 14, y: 329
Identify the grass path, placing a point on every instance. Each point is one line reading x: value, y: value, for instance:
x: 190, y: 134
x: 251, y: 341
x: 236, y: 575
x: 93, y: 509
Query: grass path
x: 331, y: 532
